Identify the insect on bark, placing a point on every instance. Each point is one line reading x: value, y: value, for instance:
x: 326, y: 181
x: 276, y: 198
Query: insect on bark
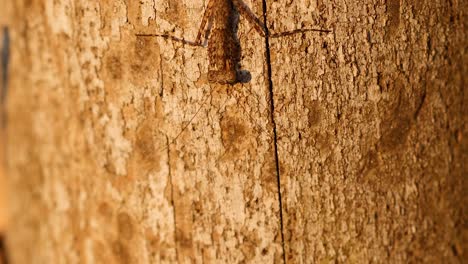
x: 218, y: 31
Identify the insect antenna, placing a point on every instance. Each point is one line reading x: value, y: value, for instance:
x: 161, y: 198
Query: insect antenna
x: 191, y: 119
x: 205, y: 98
x: 296, y: 31
x: 173, y: 140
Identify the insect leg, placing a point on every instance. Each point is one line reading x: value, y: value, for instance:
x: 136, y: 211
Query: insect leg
x: 207, y: 17
x: 167, y: 36
x: 245, y: 11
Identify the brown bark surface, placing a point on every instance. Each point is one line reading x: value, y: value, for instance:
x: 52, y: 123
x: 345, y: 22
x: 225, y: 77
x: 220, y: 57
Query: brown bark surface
x: 121, y: 151
x: 371, y: 130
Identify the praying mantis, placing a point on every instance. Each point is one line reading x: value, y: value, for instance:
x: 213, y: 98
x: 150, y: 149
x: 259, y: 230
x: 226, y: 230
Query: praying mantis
x: 218, y: 32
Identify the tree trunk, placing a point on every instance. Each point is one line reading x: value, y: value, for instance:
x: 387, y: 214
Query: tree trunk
x: 346, y: 146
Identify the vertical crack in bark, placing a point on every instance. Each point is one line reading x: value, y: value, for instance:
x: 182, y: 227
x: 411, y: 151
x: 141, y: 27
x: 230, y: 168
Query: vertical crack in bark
x: 272, y: 117
x: 172, y: 196
x: 161, y: 88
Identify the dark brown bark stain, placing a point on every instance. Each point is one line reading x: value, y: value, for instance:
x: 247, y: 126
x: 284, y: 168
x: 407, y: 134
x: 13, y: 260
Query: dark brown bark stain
x: 234, y: 136
x: 125, y: 225
x: 398, y: 113
x: 145, y: 60
x: 268, y: 175
x: 393, y: 12
x: 175, y: 12
x: 145, y: 148
x: 315, y: 113
x: 121, y: 252
x: 136, y: 64
x: 114, y: 66
x: 105, y: 210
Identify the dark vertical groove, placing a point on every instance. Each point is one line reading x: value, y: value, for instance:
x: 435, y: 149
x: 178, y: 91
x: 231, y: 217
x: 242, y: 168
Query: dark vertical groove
x: 272, y: 117
x: 172, y: 197
x: 5, y: 61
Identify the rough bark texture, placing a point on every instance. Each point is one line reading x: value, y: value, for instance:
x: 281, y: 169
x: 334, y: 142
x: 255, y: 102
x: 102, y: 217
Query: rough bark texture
x: 121, y: 151
x: 371, y: 130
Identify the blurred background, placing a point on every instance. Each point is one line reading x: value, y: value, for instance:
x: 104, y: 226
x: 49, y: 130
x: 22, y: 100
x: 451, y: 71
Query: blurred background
x: 4, y: 52
x: 3, y: 213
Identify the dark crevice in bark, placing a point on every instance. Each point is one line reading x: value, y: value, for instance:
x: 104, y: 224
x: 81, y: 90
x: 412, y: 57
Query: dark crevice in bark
x: 272, y: 117
x: 172, y: 196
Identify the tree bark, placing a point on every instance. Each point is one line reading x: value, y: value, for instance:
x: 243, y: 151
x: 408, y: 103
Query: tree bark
x: 371, y: 125
x: 347, y: 146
